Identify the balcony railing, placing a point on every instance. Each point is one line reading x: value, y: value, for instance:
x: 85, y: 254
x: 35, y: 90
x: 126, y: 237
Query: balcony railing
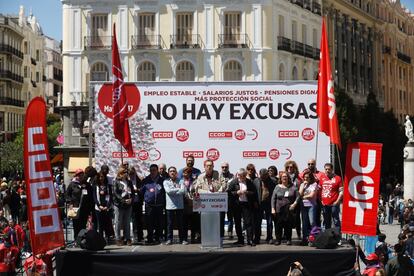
x: 283, y: 43
x: 11, y: 101
x: 234, y: 41
x: 316, y: 8
x: 296, y: 47
x: 386, y: 49
x: 297, y: 2
x: 98, y: 42
x: 78, y: 98
x: 403, y: 57
x: 10, y: 49
x: 146, y: 42
x: 307, y: 5
x: 6, y: 74
x: 99, y: 76
x: 185, y: 41
x: 33, y: 61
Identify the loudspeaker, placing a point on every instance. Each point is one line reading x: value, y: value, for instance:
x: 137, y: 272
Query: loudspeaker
x: 328, y: 239
x: 90, y: 240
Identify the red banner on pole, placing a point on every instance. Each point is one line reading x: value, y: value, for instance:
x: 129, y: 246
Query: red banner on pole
x: 44, y: 222
x: 361, y: 189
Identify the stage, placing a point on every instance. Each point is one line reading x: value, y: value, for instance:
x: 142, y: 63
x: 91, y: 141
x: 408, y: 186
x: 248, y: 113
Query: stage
x: 262, y: 259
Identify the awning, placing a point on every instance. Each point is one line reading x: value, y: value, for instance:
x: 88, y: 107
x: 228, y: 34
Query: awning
x: 57, y: 159
x: 77, y: 162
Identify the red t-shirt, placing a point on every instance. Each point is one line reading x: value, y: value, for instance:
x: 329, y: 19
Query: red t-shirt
x: 329, y: 188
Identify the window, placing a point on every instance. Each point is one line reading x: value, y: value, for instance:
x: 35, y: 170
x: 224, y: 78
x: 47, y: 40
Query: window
x: 1, y: 121
x: 37, y: 55
x: 232, y: 27
x: 37, y: 77
x: 146, y: 28
x: 2, y: 64
x: 315, y: 38
x: 146, y: 71
x: 294, y: 73
x: 232, y: 71
x: 184, y: 27
x: 304, y: 34
x: 99, y: 72
x: 281, y: 72
x: 294, y: 30
x: 184, y: 71
x: 305, y: 74
x: 100, y: 36
x: 281, y: 25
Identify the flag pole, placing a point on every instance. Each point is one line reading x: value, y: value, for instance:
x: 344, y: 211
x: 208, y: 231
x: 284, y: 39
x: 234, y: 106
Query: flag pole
x: 317, y: 140
x: 122, y: 155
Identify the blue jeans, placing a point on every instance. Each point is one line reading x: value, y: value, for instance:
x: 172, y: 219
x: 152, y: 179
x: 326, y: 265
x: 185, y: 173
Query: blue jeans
x: 179, y: 215
x: 331, y: 212
x: 308, y: 220
x: 390, y: 215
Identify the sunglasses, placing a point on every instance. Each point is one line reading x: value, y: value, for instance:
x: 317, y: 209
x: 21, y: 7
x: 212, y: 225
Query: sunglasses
x: 311, y: 164
x: 224, y: 167
x: 290, y: 167
x: 172, y: 171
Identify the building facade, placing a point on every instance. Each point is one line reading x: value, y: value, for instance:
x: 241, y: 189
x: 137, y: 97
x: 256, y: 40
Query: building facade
x: 53, y: 76
x: 182, y: 40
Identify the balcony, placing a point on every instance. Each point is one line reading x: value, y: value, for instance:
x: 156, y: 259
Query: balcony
x: 185, y: 41
x: 79, y: 98
x: 57, y: 77
x: 33, y: 61
x: 297, y: 2
x: 316, y: 8
x: 146, y: 42
x: 283, y: 43
x: 233, y: 41
x: 11, y: 101
x: 403, y: 57
x: 6, y: 74
x: 386, y: 49
x: 11, y: 50
x: 98, y: 42
x: 307, y: 5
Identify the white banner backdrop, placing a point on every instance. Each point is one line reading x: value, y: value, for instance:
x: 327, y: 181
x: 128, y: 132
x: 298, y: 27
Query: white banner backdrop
x: 264, y: 123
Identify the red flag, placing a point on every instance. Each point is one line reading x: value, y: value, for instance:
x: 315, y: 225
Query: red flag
x: 326, y: 106
x: 119, y: 101
x: 45, y: 227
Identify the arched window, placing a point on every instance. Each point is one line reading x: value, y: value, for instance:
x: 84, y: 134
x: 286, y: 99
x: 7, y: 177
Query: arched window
x: 294, y: 73
x: 99, y: 72
x: 305, y: 74
x: 146, y: 71
x: 232, y: 71
x: 282, y: 72
x: 184, y: 71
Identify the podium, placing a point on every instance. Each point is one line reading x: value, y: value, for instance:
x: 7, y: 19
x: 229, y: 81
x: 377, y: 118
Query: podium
x: 210, y: 205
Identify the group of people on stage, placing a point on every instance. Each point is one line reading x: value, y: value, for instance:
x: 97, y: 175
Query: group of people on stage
x: 285, y: 200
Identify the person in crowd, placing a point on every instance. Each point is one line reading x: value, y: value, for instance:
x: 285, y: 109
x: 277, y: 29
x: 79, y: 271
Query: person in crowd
x: 308, y: 192
x: 15, y: 201
x: 162, y: 168
x: 291, y: 167
x: 87, y: 198
x: 4, y: 222
x: 382, y: 249
x: 174, y: 191
x: 74, y: 193
x: 210, y: 182
x: 15, y: 232
x: 154, y: 199
x: 137, y: 216
x: 190, y: 218
x: 102, y: 195
x: 285, y: 198
x: 297, y: 269
x: 244, y: 202
x: 372, y: 263
x: 272, y: 170
x: 190, y: 164
x: 226, y: 176
x: 251, y: 172
x: 392, y: 201
x: 105, y: 171
x: 331, y: 196
x: 264, y: 186
x: 23, y: 209
x: 123, y: 193
x: 400, y: 264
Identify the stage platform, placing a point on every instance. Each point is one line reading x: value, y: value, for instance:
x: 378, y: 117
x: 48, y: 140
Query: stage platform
x: 179, y: 260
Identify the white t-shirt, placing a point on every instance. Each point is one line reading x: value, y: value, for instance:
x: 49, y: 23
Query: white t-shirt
x: 243, y: 187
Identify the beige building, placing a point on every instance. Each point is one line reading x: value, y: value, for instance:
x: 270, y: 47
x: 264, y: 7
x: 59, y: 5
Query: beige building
x: 53, y: 76
x: 236, y: 40
x: 21, y: 67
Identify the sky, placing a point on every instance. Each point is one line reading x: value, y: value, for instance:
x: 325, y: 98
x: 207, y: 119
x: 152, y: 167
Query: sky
x: 49, y: 13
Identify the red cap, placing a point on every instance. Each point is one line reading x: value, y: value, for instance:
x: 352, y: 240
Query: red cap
x: 372, y: 257
x: 78, y: 171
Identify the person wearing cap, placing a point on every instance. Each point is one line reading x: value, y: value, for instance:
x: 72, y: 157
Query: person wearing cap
x: 400, y: 264
x: 73, y: 199
x: 372, y: 265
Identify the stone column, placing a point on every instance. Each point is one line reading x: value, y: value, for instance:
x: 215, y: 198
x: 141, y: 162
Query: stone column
x: 358, y: 57
x: 350, y: 52
x: 339, y: 51
x: 409, y: 171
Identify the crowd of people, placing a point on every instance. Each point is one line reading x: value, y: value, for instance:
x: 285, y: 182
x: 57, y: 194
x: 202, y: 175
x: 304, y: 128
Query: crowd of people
x: 286, y: 199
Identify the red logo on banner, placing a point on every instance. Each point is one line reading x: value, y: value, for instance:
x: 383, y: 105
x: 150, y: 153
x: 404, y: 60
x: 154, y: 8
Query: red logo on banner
x: 117, y: 154
x: 143, y: 155
x: 45, y: 226
x: 162, y: 134
x: 274, y: 154
x: 240, y: 134
x: 220, y: 134
x: 105, y: 99
x: 361, y: 189
x: 194, y: 153
x: 213, y: 154
x: 288, y: 133
x: 254, y: 154
x: 182, y: 135
x: 308, y: 134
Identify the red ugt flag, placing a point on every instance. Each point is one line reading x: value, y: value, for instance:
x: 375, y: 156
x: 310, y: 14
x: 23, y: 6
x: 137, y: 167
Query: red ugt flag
x: 326, y: 107
x: 119, y: 101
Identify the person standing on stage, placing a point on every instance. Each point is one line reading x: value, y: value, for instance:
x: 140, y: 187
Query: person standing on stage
x: 162, y: 168
x: 102, y: 195
x: 308, y: 192
x: 74, y: 193
x: 190, y: 164
x: 285, y: 198
x: 123, y: 197
x: 251, y: 172
x: 243, y: 201
x: 137, y: 217
x: 226, y: 176
x: 264, y: 187
x: 174, y: 191
x: 331, y: 196
x: 293, y: 171
x: 154, y: 198
x: 272, y: 170
x: 190, y: 218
